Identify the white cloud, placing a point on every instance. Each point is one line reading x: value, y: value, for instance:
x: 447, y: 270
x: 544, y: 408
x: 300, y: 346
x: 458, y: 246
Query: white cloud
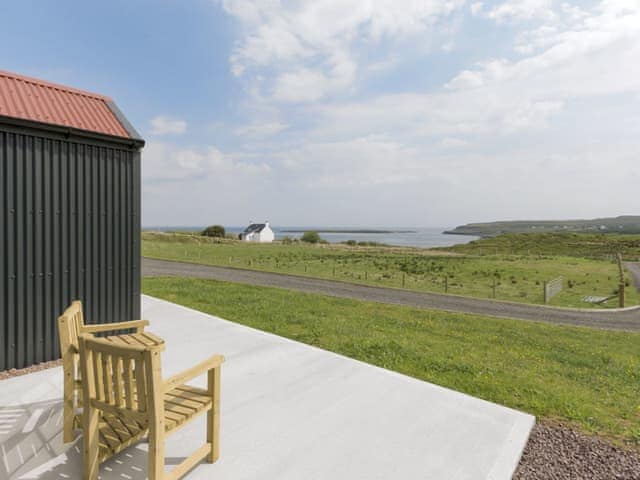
x: 517, y: 10
x: 260, y: 129
x: 476, y: 7
x: 453, y: 142
x: 309, y: 49
x: 359, y: 162
x: 168, y: 163
x: 164, y: 125
x: 302, y: 85
x: 305, y: 85
x: 595, y: 57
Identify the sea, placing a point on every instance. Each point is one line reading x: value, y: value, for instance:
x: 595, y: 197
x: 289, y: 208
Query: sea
x: 425, y: 237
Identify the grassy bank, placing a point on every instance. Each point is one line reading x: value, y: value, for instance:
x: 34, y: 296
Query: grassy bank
x: 586, y: 377
x: 515, y: 277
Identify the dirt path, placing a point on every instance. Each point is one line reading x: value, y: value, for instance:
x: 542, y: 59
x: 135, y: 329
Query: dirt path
x: 628, y: 319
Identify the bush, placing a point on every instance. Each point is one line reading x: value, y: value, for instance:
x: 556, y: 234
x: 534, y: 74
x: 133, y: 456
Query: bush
x: 214, y: 231
x: 311, y: 237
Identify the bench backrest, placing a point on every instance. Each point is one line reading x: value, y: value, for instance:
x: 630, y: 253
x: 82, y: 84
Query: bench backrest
x: 70, y: 325
x: 124, y: 380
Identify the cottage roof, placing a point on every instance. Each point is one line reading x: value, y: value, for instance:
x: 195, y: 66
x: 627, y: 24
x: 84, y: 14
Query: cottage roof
x: 36, y: 100
x: 254, y: 228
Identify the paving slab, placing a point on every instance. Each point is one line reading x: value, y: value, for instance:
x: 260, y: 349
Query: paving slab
x: 289, y: 412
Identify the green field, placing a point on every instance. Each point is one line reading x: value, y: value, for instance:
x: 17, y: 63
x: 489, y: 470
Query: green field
x: 584, y: 377
x: 518, y: 276
x: 585, y: 245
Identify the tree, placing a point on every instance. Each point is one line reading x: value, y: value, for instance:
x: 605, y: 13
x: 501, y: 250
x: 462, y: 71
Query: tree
x: 214, y: 231
x: 311, y: 237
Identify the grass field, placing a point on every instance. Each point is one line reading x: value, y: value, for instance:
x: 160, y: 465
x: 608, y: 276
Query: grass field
x: 585, y: 245
x: 515, y: 277
x: 588, y: 378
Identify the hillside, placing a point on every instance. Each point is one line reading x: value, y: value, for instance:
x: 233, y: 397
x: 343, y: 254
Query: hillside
x: 621, y: 224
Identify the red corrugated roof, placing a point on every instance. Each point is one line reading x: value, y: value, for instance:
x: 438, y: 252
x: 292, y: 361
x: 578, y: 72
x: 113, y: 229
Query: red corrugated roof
x: 40, y: 101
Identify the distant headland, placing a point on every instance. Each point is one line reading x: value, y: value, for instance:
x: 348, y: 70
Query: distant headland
x: 621, y: 224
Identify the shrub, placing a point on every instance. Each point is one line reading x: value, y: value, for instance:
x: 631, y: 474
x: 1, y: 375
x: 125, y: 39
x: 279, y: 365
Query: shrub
x: 214, y: 231
x: 311, y: 237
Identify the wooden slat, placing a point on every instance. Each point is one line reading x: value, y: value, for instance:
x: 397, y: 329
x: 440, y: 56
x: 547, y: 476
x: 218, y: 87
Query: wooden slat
x: 116, y: 366
x: 107, y: 378
x: 140, y: 384
x: 141, y: 339
x: 118, y: 427
x: 154, y: 339
x: 108, y: 435
x: 178, y: 399
x: 192, y: 393
x: 97, y: 372
x: 128, y: 382
x: 177, y: 408
x: 117, y: 339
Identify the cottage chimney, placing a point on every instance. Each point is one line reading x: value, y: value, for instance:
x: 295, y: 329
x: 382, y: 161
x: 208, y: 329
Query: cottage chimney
x: 266, y: 222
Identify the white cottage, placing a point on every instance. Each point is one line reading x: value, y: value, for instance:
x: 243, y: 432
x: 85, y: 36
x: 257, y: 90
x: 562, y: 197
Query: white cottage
x: 258, y: 232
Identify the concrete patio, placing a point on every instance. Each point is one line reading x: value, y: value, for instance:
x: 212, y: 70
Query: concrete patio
x: 289, y: 412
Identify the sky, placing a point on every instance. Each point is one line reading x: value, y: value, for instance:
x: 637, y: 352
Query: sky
x: 357, y: 112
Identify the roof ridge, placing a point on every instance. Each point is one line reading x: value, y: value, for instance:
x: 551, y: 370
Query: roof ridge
x: 55, y: 86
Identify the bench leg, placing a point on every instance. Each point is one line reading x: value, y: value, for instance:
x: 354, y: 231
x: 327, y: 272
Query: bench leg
x: 156, y: 454
x: 68, y: 399
x: 213, y: 415
x: 91, y: 447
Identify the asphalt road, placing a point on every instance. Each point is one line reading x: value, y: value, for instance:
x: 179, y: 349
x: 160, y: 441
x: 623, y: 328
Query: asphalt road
x: 628, y: 319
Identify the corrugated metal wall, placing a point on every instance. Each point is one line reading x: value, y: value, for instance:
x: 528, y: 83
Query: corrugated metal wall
x: 69, y: 229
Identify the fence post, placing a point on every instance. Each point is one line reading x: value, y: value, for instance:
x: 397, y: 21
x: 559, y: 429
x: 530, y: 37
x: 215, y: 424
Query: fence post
x: 493, y: 287
x: 544, y: 292
x: 621, y: 281
x: 403, y: 275
x: 446, y: 284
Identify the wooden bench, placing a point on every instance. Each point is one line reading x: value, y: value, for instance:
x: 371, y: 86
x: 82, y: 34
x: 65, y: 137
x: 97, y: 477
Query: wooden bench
x: 70, y: 326
x: 126, y: 399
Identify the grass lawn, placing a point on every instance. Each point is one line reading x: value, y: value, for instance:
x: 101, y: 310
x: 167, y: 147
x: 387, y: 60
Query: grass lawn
x: 585, y: 377
x: 517, y: 277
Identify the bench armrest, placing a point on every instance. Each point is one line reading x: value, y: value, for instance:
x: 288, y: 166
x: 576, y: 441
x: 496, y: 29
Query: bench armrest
x: 107, y: 327
x: 212, y: 362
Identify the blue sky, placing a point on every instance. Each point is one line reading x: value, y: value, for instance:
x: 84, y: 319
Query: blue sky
x: 357, y: 112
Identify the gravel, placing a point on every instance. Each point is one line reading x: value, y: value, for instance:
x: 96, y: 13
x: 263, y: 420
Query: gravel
x: 556, y: 452
x: 15, y: 372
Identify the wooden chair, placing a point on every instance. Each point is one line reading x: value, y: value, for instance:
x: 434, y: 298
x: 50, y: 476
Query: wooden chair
x: 70, y: 326
x: 125, y: 397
